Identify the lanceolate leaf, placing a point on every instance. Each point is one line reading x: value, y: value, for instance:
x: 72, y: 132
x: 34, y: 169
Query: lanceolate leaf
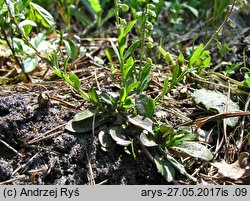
x: 71, y: 48
x: 130, y: 51
x: 165, y: 168
x: 75, y: 79
x: 196, y: 55
x: 217, y: 101
x: 45, y: 17
x: 83, y: 121
x: 179, y: 167
x: 119, y: 136
x: 142, y: 122
x: 126, y: 30
x: 147, y: 140
x: 95, y: 4
x: 195, y: 149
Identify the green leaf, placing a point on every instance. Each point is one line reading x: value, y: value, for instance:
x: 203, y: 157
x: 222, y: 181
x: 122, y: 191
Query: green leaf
x: 145, y: 72
x: 58, y: 73
x: 71, y: 48
x: 150, y: 108
x: 118, y: 135
x: 83, y: 121
x: 132, y: 86
x: 75, y: 79
x: 213, y: 100
x: 126, y: 31
x: 106, y: 98
x: 86, y: 114
x: 168, y: 57
x: 181, y: 59
x: 95, y: 4
x: 109, y: 53
x: 196, y: 55
x: 27, y: 26
x: 44, y: 16
x: 122, y: 37
x: 179, y: 167
x: 24, y: 4
x: 145, y: 105
x: 164, y: 168
x: 116, y: 51
x: 175, y: 74
x: 194, y: 149
x: 128, y: 103
x: 123, y: 95
x: 165, y: 89
x: 94, y: 98
x: 130, y: 51
x: 143, y: 123
x: 29, y: 64
x: 147, y: 140
x: 128, y: 69
x: 106, y: 141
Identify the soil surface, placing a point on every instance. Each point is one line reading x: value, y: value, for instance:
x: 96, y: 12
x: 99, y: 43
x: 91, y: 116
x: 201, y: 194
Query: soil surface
x: 38, y: 150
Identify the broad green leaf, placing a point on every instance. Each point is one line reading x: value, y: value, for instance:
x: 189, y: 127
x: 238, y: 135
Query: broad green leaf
x: 29, y: 64
x: 86, y: 114
x: 75, y: 79
x: 166, y: 129
x: 179, y: 167
x: 213, y: 100
x: 143, y: 123
x: 118, y: 135
x: 196, y: 55
x: 194, y: 149
x: 71, y: 48
x: 83, y: 121
x: 131, y: 50
x: 147, y: 140
x: 145, y: 105
x: 164, y: 168
x: 44, y: 16
x: 95, y: 4
x: 140, y: 102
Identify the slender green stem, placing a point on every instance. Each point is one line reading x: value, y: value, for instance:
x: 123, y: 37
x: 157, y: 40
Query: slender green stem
x: 229, y: 11
x: 142, y: 36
